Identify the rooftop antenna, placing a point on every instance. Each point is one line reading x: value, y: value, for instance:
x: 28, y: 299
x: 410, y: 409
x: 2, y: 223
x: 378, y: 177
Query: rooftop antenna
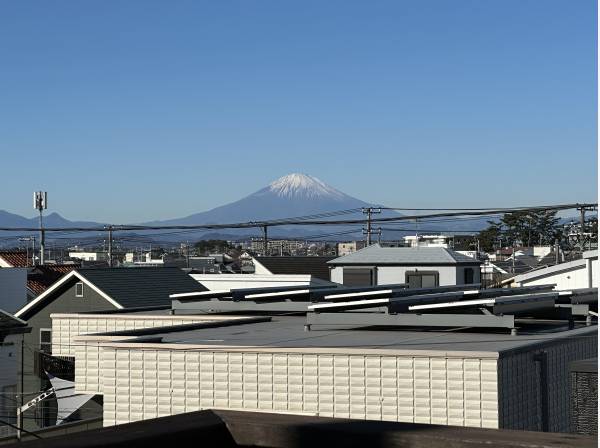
x: 40, y: 202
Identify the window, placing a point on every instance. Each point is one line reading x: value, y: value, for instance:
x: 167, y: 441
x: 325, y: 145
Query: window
x: 359, y: 277
x: 422, y: 279
x: 79, y: 289
x: 46, y: 340
x: 469, y: 275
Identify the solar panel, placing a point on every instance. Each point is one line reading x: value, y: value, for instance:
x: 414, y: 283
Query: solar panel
x: 203, y: 295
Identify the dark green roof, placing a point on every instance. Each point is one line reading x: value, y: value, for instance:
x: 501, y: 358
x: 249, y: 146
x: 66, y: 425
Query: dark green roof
x: 141, y: 287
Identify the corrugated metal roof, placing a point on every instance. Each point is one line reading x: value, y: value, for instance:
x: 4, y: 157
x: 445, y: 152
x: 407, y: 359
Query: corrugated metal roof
x: 141, y: 287
x: 416, y: 256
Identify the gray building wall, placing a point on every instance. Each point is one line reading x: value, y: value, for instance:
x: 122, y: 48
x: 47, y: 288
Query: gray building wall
x: 33, y: 383
x: 387, y: 275
x: 523, y: 392
x: 10, y: 355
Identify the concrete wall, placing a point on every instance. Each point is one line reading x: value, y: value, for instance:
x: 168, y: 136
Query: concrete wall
x: 144, y: 382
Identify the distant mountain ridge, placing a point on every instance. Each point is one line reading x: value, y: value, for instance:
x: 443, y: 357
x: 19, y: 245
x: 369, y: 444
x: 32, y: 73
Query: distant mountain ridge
x: 289, y: 196
x: 293, y: 195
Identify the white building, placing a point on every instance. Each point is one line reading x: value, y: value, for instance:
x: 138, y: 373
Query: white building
x: 581, y: 273
x: 417, y: 266
x: 427, y: 240
x: 89, y: 256
x: 272, y: 365
x: 349, y: 247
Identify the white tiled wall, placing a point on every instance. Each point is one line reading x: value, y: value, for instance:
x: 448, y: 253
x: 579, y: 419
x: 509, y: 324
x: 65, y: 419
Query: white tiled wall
x: 65, y: 328
x: 139, y: 384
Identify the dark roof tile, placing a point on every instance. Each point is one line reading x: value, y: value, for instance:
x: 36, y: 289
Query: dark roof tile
x: 141, y: 287
x: 315, y: 266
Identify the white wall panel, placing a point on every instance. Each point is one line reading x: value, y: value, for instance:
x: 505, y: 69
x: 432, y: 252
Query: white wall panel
x: 139, y: 384
x: 66, y: 327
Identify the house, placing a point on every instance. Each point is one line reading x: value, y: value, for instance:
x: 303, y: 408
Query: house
x: 88, y: 290
x: 473, y: 376
x: 14, y: 259
x: 582, y: 273
x: 88, y: 256
x: 39, y: 277
x: 12, y: 330
x: 427, y: 240
x: 416, y: 266
x: 349, y: 247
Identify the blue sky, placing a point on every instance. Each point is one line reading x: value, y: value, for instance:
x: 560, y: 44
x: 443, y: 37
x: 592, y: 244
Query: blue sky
x: 139, y: 110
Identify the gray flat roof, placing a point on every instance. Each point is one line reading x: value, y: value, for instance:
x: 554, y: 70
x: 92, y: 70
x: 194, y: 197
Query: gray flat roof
x: 288, y: 332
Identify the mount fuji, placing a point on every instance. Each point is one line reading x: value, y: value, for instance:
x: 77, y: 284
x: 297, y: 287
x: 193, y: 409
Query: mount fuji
x: 289, y: 196
x: 293, y: 195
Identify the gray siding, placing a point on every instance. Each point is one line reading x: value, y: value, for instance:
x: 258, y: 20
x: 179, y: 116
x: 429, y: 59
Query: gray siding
x: 521, y: 388
x: 65, y: 302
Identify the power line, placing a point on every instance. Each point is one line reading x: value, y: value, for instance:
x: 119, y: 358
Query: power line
x: 296, y: 221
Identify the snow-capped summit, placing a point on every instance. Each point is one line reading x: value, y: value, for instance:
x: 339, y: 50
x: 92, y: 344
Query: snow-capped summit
x: 289, y: 196
x: 303, y: 185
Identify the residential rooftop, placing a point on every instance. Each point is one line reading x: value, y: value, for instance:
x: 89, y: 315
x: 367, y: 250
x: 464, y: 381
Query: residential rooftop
x: 376, y: 254
x: 288, y: 332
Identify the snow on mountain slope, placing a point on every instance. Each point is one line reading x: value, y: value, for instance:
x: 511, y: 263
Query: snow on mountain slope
x: 302, y: 185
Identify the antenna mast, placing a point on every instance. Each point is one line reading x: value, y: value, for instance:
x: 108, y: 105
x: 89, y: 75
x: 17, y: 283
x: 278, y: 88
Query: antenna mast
x: 40, y: 202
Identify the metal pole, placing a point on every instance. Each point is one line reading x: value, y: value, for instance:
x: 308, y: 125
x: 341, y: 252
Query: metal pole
x: 582, y: 229
x: 369, y: 226
x: 19, y: 424
x: 110, y: 241
x: 265, y: 241
x: 42, y: 239
x: 513, y: 258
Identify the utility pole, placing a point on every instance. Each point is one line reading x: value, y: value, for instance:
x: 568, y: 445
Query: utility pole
x: 187, y: 254
x: 32, y: 239
x: 110, y: 245
x: 582, y: 209
x: 582, y: 228
x: 369, y: 211
x: 265, y: 241
x: 40, y: 202
x: 513, y: 257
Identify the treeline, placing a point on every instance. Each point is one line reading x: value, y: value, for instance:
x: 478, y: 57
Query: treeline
x: 522, y: 229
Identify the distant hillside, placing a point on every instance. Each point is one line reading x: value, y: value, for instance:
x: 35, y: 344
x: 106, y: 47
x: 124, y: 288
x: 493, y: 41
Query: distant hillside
x: 294, y: 195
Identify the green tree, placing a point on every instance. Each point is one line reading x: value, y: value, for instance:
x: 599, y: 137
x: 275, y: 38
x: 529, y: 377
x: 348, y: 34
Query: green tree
x: 527, y: 228
x: 205, y: 247
x: 489, y: 237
